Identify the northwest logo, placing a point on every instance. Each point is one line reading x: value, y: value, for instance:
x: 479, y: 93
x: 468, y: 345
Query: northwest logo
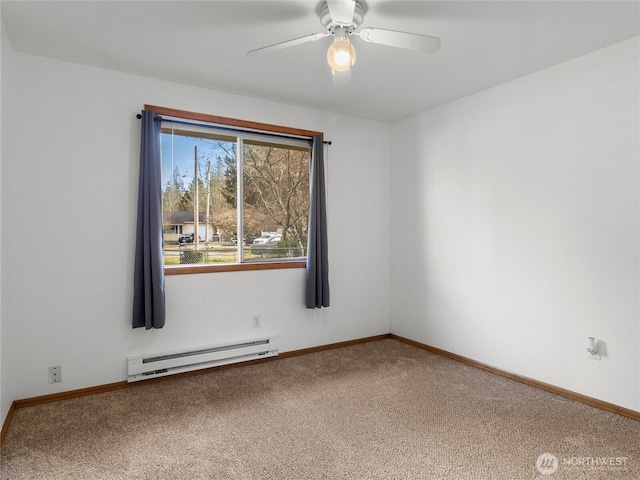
x: 547, y: 463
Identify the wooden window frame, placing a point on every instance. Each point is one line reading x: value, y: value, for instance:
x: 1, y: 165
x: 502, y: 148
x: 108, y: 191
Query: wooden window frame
x: 246, y: 125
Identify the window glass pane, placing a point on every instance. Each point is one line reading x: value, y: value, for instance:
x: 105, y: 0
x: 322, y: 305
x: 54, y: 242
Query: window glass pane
x: 199, y: 195
x: 200, y: 178
x: 275, y: 200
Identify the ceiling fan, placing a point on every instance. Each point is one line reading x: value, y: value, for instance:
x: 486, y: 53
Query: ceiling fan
x: 341, y: 19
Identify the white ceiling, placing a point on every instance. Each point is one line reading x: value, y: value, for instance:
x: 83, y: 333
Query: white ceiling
x: 205, y: 43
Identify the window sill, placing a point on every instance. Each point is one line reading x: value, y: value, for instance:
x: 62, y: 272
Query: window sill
x: 233, y: 267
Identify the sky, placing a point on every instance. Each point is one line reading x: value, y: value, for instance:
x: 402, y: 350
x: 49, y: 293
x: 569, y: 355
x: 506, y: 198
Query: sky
x: 178, y: 151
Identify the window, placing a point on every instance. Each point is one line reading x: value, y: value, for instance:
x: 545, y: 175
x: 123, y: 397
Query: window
x: 233, y: 197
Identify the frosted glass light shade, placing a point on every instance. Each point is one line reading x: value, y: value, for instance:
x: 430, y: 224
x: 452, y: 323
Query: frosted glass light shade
x: 341, y: 55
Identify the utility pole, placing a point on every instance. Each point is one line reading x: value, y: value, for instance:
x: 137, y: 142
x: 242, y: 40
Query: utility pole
x: 196, y: 225
x: 206, y: 228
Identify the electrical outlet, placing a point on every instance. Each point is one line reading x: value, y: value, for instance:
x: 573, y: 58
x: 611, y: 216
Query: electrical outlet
x: 594, y: 356
x: 594, y: 348
x: 55, y: 374
x: 256, y: 321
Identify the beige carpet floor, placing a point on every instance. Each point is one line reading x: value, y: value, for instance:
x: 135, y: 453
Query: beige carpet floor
x: 382, y: 410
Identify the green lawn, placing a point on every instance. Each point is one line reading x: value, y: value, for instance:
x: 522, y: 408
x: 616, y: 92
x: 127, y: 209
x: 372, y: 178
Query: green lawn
x: 219, y: 254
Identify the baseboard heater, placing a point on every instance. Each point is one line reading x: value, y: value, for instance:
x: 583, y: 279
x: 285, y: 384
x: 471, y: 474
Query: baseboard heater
x: 142, y: 367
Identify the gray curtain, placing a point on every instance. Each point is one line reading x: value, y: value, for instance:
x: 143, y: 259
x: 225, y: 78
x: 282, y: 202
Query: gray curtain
x: 317, y: 286
x: 148, y: 282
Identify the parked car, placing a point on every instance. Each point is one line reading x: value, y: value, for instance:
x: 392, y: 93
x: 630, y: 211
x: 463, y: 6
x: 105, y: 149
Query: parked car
x: 268, y: 238
x: 268, y: 248
x: 187, y: 238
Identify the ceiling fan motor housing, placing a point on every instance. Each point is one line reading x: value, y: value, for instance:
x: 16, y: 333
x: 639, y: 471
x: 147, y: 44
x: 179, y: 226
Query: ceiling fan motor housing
x: 327, y: 22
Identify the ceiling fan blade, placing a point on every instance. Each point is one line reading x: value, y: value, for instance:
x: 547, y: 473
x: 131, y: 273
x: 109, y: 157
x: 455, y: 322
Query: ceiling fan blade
x: 289, y: 43
x: 409, y: 41
x: 341, y: 11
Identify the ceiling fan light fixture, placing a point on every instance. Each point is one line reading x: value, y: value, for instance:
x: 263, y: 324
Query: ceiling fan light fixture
x: 341, y: 54
x: 341, y: 19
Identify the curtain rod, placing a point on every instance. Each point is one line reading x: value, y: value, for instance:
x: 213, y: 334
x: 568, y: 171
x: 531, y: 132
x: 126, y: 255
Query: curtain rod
x: 139, y: 116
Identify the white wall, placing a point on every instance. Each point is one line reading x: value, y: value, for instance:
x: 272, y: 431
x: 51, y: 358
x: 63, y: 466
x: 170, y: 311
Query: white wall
x: 71, y: 156
x: 515, y: 225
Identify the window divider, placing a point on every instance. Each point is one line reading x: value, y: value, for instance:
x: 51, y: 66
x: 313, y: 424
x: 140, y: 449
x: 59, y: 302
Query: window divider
x: 240, y: 198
